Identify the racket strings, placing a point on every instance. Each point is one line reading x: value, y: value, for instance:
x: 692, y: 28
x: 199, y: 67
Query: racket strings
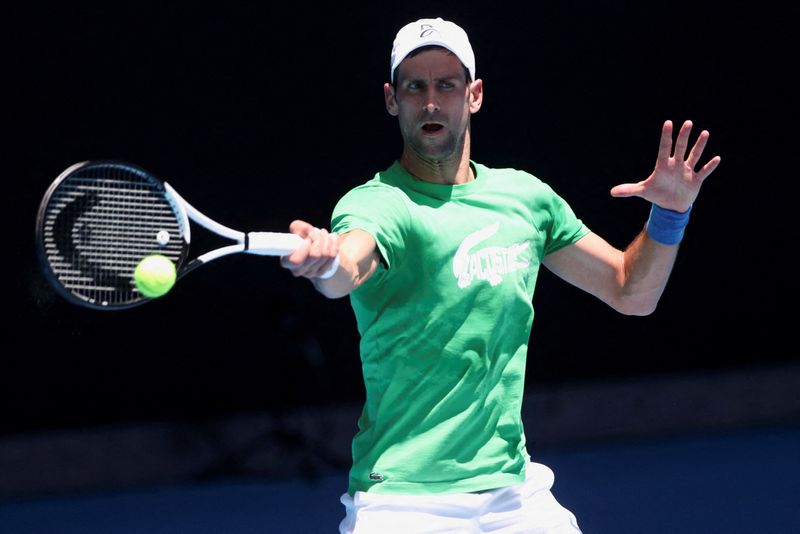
x: 99, y: 223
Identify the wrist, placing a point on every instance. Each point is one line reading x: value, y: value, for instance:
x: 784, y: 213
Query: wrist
x: 331, y: 270
x: 667, y: 226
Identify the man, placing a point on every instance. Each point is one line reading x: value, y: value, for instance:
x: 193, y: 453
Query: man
x: 439, y: 255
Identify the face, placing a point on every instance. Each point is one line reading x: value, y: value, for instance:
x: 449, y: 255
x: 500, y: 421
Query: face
x: 433, y: 102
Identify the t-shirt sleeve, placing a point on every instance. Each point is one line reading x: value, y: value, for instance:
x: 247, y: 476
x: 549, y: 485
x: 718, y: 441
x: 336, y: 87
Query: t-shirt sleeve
x: 563, y: 226
x: 379, y: 210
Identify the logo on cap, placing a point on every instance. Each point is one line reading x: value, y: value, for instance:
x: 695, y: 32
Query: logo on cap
x: 427, y: 29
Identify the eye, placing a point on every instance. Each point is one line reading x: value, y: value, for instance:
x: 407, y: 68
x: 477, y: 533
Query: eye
x: 446, y: 85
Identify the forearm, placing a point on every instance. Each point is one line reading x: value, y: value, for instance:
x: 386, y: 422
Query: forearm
x: 358, y: 259
x: 350, y: 275
x: 646, y: 268
x: 632, y: 280
x: 648, y: 260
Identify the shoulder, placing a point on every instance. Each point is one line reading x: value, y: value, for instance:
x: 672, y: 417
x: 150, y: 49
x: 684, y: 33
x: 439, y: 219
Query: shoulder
x: 516, y: 180
x: 378, y: 199
x: 372, y: 193
x: 386, y: 182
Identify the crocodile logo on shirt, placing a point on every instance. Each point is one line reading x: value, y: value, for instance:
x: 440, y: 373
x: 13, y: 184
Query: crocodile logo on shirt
x: 488, y: 263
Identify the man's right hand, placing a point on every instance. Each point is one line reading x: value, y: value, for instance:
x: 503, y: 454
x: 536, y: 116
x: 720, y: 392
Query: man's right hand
x: 317, y: 253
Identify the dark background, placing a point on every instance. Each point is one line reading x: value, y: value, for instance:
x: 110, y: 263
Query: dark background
x: 259, y: 114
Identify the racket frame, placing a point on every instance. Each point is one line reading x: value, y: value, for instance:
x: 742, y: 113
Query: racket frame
x: 258, y: 243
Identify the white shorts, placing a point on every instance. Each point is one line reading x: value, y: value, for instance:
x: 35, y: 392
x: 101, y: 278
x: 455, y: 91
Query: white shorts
x: 523, y: 508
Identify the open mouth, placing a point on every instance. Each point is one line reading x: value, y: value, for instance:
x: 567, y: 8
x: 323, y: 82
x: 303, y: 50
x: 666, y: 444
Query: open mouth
x: 431, y: 128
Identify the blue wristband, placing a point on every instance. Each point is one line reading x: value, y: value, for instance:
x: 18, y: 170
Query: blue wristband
x: 667, y: 226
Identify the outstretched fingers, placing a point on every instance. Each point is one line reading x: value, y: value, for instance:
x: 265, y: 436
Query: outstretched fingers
x: 665, y: 146
x: 697, y: 149
x: 683, y: 140
x: 697, y: 153
x: 674, y: 182
x: 708, y: 168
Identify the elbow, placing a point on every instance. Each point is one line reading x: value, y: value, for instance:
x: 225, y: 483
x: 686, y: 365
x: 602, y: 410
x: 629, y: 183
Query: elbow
x: 635, y: 299
x: 333, y: 295
x: 329, y: 290
x: 342, y: 284
x: 637, y: 311
x: 633, y: 306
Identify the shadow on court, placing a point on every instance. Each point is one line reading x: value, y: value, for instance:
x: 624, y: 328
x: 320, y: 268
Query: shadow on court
x: 746, y: 481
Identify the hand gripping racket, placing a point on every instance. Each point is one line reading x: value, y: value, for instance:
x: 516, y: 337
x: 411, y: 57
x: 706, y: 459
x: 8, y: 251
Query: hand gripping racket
x: 99, y: 219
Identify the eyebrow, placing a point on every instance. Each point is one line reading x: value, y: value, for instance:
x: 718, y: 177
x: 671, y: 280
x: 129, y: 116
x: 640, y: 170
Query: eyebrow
x: 447, y: 78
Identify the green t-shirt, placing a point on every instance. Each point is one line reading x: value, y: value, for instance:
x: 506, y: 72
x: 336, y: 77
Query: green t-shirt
x: 445, y: 322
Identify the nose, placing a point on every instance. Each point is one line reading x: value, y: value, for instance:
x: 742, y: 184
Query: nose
x: 431, y: 103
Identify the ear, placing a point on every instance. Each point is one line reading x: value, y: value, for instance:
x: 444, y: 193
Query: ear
x: 390, y: 100
x: 475, y: 95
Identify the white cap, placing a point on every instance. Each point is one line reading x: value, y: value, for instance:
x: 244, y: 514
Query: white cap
x: 427, y: 32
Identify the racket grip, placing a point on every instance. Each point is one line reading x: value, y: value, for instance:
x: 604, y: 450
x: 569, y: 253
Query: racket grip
x: 272, y: 243
x: 280, y: 244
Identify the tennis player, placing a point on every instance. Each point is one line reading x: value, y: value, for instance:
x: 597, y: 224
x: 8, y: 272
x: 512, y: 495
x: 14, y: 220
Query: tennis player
x: 439, y: 255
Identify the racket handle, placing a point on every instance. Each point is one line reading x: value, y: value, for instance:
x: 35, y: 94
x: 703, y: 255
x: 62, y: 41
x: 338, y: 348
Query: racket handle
x: 280, y: 244
x: 272, y: 243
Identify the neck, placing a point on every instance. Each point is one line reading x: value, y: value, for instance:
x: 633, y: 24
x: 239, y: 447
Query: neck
x: 450, y: 170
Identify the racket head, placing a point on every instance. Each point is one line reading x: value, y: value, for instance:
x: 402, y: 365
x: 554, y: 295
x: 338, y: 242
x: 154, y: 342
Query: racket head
x: 96, y: 222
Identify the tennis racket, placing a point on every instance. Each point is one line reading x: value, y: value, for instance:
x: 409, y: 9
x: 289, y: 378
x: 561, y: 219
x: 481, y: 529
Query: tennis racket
x: 99, y: 219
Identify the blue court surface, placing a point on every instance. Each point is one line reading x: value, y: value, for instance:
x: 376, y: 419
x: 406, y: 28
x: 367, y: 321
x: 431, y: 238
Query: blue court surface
x: 745, y: 481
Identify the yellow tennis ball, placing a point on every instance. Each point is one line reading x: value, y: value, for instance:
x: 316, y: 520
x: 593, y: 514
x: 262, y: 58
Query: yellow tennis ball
x: 155, y: 275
